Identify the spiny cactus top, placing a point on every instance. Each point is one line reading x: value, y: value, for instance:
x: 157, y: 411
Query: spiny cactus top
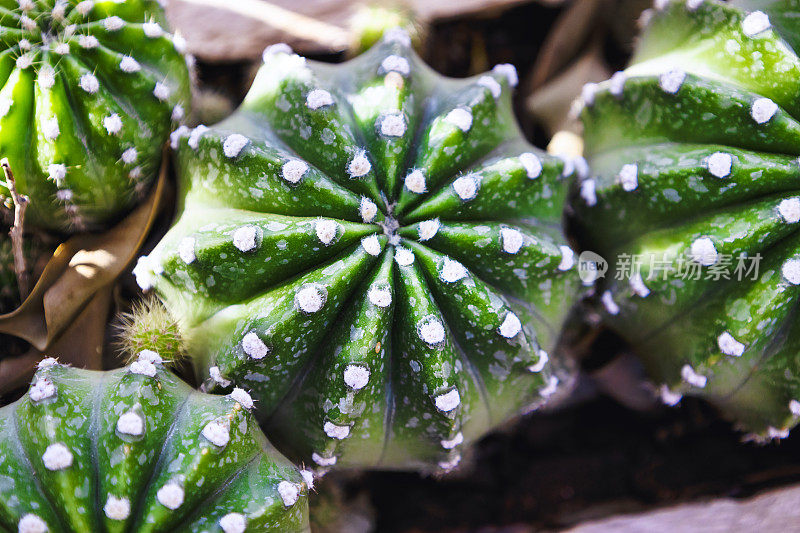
x: 136, y: 449
x: 89, y: 92
x: 694, y: 150
x: 375, y: 252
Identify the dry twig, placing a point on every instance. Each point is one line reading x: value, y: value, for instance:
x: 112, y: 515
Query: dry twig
x: 17, y: 230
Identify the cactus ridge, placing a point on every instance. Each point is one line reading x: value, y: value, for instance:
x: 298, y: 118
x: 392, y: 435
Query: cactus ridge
x: 375, y: 252
x: 88, y: 93
x: 136, y: 449
x: 694, y: 153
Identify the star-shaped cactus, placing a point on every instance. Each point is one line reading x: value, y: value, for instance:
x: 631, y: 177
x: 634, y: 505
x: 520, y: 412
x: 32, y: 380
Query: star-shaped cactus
x: 694, y: 150
x: 375, y: 252
x: 88, y: 93
x: 136, y: 449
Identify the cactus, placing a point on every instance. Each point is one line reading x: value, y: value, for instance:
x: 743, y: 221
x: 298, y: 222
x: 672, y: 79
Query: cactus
x: 89, y: 93
x: 136, y: 449
x: 375, y: 252
x: 694, y: 150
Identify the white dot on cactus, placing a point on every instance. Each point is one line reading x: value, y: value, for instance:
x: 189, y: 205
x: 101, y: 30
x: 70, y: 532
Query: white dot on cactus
x: 151, y: 356
x: 130, y: 424
x: 25, y: 5
x: 253, y: 346
x: 84, y: 7
x: 57, y: 457
x: 161, y: 91
x: 152, y: 30
x: 242, y: 397
x: 178, y: 112
x: 397, y: 64
x: 380, y: 295
x: 415, y: 181
x: 755, y: 23
x: 637, y: 284
x: 452, y: 443
x: 143, y: 273
x: 691, y: 377
x: 371, y: 245
x: 234, y: 144
x: 293, y: 170
x: 668, y: 396
x: 359, y: 166
x: 616, y: 84
x: 311, y: 297
x: 88, y: 41
x: 461, y: 118
x: 130, y: 156
x: 170, y: 496
x: 24, y: 61
x: 186, y: 250
x: 30, y: 523
x: 608, y: 302
x: 567, y: 258
x: 532, y: 164
x: 404, y: 256
x: 135, y: 174
x: 789, y: 209
x: 318, y: 98
x: 791, y: 271
x: 233, y: 523
x: 431, y: 330
x: 50, y: 128
x: 452, y: 271
x: 671, y: 81
x: 25, y: 44
x: 89, y: 83
x: 64, y: 195
x: 323, y: 461
x: 356, y: 377
x: 628, y: 176
x: 588, y: 192
x: 216, y: 433
x: 113, y: 23
x: 392, y: 125
x: 308, y: 477
x: 367, y: 209
x: 246, y: 238
x: 273, y: 49
x: 289, y: 492
x: 511, y: 326
x: 143, y: 368
x: 28, y: 23
x: 763, y: 109
x: 56, y: 172
x: 216, y: 376
x: 491, y: 84
x: 41, y: 390
x: 327, y: 230
x: 112, y: 123
x: 117, y: 508
x: 720, y: 164
x: 703, y: 251
x: 129, y: 64
x: 511, y: 240
x: 540, y: 363
x: 179, y: 43
x: 551, y: 387
x: 194, y: 137
x: 509, y: 71
x: 428, y: 229
x: 729, y: 345
x: 448, y: 401
x: 466, y: 187
x: 61, y: 49
x: 397, y: 35
x: 794, y: 407
x: 47, y: 77
x: 47, y: 362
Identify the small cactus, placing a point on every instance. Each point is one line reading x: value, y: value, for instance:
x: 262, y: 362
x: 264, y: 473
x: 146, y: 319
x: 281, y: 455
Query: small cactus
x: 375, y: 252
x: 136, y: 449
x: 694, y: 153
x: 89, y: 92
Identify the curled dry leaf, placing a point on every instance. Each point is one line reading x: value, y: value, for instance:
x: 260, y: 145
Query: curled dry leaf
x: 80, y: 268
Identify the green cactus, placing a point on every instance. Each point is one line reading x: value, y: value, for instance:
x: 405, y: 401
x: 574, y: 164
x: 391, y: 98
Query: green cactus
x: 136, y: 449
x: 375, y: 252
x: 89, y: 93
x: 694, y: 150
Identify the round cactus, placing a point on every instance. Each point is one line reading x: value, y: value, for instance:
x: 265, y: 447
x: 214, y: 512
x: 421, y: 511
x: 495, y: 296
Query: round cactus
x: 375, y: 252
x: 136, y: 449
x: 89, y: 93
x: 694, y: 150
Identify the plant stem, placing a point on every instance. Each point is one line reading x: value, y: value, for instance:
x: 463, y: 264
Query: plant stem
x: 17, y: 231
